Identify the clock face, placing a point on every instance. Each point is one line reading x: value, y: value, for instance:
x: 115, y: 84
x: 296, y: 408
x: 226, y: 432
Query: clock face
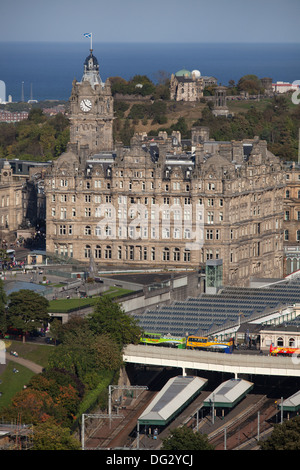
x: 86, y: 105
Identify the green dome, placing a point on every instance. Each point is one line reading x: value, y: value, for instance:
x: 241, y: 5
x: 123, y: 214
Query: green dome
x: 183, y: 73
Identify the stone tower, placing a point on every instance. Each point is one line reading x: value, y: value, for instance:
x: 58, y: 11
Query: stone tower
x: 220, y: 107
x: 91, y: 119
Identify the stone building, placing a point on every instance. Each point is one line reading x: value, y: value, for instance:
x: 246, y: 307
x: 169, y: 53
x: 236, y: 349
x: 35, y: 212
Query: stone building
x: 11, y: 203
x: 186, y: 86
x: 154, y: 205
x: 291, y: 218
x: 189, y: 86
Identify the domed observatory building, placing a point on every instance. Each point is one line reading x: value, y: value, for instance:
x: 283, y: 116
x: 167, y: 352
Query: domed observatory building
x: 186, y: 85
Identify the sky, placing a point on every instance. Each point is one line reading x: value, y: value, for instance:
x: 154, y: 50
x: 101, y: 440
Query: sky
x: 150, y: 20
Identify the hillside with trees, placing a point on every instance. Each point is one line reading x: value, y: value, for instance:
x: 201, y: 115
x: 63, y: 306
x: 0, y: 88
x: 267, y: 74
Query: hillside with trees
x: 86, y: 360
x: 142, y: 106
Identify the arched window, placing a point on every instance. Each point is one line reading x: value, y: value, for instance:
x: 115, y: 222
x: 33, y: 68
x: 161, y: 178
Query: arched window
x: 166, y: 254
x: 87, y: 251
x: 292, y: 342
x: 279, y: 341
x: 87, y: 230
x: 107, y: 252
x: 176, y: 254
x: 98, y: 251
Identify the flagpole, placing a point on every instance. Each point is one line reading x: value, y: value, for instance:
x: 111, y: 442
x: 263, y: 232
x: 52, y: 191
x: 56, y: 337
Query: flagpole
x: 91, y: 41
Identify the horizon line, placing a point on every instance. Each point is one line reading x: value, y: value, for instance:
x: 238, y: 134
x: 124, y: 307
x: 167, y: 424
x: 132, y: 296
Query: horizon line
x: 30, y: 41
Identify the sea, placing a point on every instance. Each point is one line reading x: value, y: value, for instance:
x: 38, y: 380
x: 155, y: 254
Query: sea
x: 45, y: 71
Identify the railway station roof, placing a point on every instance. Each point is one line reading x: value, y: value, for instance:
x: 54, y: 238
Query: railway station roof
x: 229, y: 393
x: 212, y: 313
x: 173, y: 397
x: 292, y: 403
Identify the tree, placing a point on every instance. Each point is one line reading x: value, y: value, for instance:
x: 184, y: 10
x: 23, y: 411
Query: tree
x: 285, y: 436
x: 109, y: 318
x: 3, y: 300
x: 83, y: 351
x: 29, y: 405
x: 250, y: 84
x: 107, y: 354
x: 27, y: 311
x: 185, y: 439
x: 50, y: 436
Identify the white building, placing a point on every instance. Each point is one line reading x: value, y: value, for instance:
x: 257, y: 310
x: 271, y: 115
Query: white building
x: 2, y: 92
x: 284, y: 87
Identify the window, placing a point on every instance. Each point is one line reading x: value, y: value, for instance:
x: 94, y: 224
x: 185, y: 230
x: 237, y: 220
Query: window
x: 98, y: 251
x: 166, y: 254
x: 279, y: 341
x: 87, y: 251
x: 209, y: 234
x: 107, y: 252
x: 176, y: 254
x: 166, y: 233
x: 292, y: 342
x: 63, y: 213
x: 187, y: 234
x: 87, y: 230
x: 287, y: 215
x: 210, y: 217
x: 176, y: 233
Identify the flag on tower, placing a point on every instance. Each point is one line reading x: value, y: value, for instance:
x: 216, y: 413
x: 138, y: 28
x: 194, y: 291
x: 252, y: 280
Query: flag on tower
x: 89, y: 36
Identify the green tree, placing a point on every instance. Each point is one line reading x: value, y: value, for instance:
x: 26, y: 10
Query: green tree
x: 250, y: 84
x: 50, y: 436
x: 285, y: 436
x: 185, y: 439
x: 3, y: 300
x: 109, y: 318
x: 27, y: 311
x: 84, y: 352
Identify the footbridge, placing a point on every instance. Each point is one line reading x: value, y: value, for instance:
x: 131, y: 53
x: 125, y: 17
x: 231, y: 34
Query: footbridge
x: 235, y: 363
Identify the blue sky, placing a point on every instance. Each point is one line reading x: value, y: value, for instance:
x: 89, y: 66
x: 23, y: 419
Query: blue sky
x: 150, y: 20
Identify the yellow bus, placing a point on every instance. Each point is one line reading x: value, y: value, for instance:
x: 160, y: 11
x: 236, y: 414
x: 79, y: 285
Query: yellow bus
x: 204, y: 343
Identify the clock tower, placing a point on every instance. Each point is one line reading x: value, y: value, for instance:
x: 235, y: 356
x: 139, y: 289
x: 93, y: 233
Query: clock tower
x: 91, y: 119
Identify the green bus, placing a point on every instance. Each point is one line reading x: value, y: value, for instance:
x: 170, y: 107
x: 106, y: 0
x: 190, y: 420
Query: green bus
x: 157, y: 339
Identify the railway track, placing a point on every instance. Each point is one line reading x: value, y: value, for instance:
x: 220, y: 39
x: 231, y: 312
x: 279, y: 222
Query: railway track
x: 114, y: 433
x: 244, y: 429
